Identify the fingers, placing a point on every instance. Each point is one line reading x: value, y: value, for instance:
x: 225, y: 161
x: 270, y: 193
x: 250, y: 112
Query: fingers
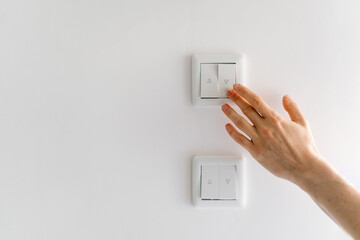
x: 254, y: 100
x: 245, y: 107
x: 293, y: 110
x: 239, y: 121
x: 239, y: 138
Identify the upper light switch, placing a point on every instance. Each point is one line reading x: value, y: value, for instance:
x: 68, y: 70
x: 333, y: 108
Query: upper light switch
x: 226, y: 75
x: 209, y: 81
x: 213, y: 75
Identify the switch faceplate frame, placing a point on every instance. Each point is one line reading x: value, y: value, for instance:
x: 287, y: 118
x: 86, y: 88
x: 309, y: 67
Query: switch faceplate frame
x: 199, y: 161
x: 197, y: 60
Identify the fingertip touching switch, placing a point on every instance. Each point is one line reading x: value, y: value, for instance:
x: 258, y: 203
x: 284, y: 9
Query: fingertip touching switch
x: 209, y: 81
x: 226, y: 76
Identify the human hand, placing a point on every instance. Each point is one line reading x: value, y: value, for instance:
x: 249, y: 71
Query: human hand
x: 287, y: 149
x: 284, y: 147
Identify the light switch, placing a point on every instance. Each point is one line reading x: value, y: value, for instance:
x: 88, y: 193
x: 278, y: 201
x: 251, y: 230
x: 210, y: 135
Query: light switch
x: 218, y: 181
x: 209, y: 81
x: 212, y: 75
x: 227, y: 182
x: 209, y: 182
x: 226, y: 76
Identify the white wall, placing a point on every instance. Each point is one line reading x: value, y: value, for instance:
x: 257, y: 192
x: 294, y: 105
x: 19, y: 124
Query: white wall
x: 97, y: 129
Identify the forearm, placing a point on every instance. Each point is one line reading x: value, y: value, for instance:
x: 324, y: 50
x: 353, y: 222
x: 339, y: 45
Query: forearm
x: 339, y: 199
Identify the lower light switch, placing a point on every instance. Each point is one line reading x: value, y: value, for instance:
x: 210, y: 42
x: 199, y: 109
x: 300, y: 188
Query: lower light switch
x: 218, y: 181
x: 209, y: 182
x: 227, y: 182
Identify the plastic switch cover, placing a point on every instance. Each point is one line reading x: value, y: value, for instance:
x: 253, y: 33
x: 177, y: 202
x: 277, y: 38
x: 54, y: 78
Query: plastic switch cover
x: 226, y: 76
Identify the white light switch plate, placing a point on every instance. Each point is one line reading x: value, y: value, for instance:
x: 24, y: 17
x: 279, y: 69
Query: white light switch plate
x: 206, y: 96
x: 225, y: 163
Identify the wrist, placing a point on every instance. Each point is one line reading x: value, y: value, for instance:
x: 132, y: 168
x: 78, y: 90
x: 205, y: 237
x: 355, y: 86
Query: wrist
x: 319, y: 172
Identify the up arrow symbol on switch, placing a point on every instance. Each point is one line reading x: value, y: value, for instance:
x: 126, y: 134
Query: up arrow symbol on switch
x: 209, y: 80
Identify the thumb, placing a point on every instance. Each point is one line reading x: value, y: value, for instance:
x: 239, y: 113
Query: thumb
x: 293, y: 110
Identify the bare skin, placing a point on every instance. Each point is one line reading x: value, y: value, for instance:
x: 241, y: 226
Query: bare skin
x: 287, y: 149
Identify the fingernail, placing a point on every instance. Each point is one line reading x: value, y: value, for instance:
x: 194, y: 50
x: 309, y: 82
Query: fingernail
x: 229, y: 92
x: 227, y: 126
x: 237, y: 85
x: 225, y: 107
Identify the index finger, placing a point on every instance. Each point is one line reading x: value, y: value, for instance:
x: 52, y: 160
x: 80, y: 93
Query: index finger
x: 254, y: 100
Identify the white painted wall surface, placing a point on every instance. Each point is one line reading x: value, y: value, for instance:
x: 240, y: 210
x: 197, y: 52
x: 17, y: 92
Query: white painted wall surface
x: 97, y: 129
